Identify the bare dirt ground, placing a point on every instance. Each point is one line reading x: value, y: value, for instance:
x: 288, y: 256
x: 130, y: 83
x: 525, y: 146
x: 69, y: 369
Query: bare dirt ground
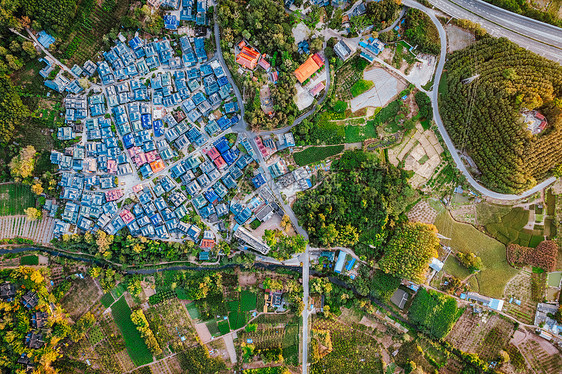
x: 247, y: 279
x: 203, y: 332
x: 217, y: 347
x: 272, y: 224
x: 422, y: 212
x: 386, y: 87
x: 230, y: 347
x: 457, y: 38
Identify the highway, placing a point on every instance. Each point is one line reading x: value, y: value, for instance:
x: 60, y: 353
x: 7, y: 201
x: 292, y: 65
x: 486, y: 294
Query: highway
x: 434, y: 96
x: 536, y: 36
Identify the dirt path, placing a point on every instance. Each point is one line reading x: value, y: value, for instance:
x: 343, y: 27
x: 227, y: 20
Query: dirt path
x: 203, y: 332
x: 230, y: 347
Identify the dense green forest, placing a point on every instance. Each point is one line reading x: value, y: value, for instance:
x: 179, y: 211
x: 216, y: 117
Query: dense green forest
x: 358, y: 203
x: 269, y: 29
x: 525, y: 8
x: 383, y: 13
x: 433, y: 312
x: 421, y: 32
x: 409, y: 251
x: 12, y: 110
x: 484, y: 117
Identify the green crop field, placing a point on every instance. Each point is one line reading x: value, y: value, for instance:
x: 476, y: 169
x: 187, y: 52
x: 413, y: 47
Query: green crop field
x: 136, y: 347
x: 497, y: 272
x: 15, y: 198
x: 95, y: 335
x: 223, y: 327
x: 315, y: 154
x: 237, y: 320
x: 506, y: 224
x: 106, y: 300
x: 360, y: 87
x: 213, y: 328
x: 248, y: 300
x: 29, y: 260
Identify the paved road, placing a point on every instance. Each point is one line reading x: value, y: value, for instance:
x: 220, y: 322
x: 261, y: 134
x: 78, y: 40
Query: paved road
x: 46, y: 51
x: 539, y: 37
x: 434, y: 96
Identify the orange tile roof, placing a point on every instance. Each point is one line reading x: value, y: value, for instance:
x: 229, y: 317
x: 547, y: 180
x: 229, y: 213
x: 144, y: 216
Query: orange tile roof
x: 207, y: 243
x: 248, y: 58
x: 309, y: 67
x: 157, y: 166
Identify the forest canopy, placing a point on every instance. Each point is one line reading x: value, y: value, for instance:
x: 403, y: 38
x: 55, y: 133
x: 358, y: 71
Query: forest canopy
x: 409, y: 251
x: 355, y: 203
x: 484, y: 117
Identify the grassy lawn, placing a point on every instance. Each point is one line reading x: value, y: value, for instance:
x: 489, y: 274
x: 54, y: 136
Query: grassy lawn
x: 29, y: 260
x: 15, y: 198
x: 192, y: 310
x: 136, y: 347
x: 454, y: 267
x: 466, y: 238
x: 355, y: 134
x: 507, y: 226
x: 316, y: 154
x: 360, y: 87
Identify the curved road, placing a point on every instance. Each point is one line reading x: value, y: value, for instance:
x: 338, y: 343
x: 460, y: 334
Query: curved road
x: 539, y: 37
x: 445, y: 135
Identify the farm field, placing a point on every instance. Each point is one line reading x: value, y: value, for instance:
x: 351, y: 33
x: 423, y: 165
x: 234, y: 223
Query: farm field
x: 30, y: 260
x: 15, y: 198
x: 40, y: 231
x: 276, y: 333
x: 103, y: 347
x: 352, y: 351
x: 497, y: 272
x: 171, y: 325
x: 542, y: 361
x: 93, y: 20
x: 138, y: 351
x: 82, y: 295
x: 485, y: 334
x: 315, y: 154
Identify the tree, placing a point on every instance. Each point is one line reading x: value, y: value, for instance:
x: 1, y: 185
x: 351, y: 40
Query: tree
x: 32, y: 214
x: 22, y: 165
x: 37, y: 188
x: 29, y: 48
x: 410, y: 250
x: 12, y: 111
x: 94, y: 272
x: 272, y: 284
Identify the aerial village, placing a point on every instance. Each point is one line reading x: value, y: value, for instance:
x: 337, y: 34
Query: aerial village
x: 157, y: 145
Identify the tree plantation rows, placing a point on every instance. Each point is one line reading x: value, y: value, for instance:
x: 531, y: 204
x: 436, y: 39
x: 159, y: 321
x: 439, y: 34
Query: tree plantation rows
x: 484, y: 116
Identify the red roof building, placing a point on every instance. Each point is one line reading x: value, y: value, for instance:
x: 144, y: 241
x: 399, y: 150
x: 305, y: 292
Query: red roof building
x: 264, y: 64
x: 219, y: 163
x: 157, y: 166
x: 309, y: 67
x: 213, y: 153
x: 127, y: 216
x: 207, y: 243
x: 248, y: 58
